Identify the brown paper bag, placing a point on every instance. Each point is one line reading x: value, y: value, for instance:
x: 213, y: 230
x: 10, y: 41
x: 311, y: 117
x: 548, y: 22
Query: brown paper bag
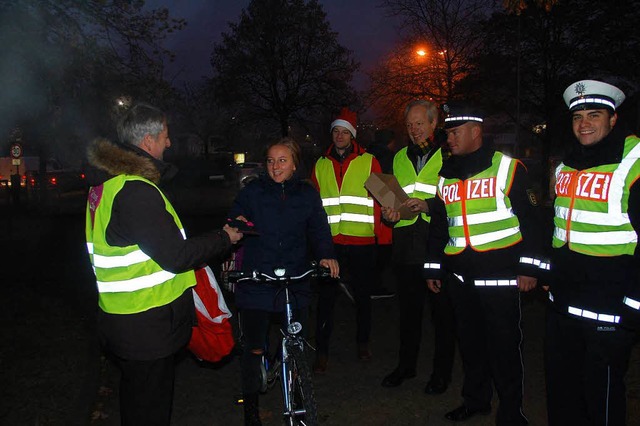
x: 387, y: 191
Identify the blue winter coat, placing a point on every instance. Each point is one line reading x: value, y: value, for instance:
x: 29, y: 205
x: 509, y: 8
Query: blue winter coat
x: 293, y: 231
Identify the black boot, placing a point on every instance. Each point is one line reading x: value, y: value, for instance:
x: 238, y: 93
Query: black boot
x: 251, y: 412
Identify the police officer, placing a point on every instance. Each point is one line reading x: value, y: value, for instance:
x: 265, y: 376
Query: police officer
x: 595, y: 292
x: 484, y: 219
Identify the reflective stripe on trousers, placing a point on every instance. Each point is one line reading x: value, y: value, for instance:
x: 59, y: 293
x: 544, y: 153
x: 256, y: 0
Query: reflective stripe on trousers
x: 584, y: 313
x: 535, y: 262
x: 495, y: 283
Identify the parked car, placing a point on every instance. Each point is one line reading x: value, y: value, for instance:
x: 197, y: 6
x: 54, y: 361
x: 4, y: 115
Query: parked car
x: 59, y: 180
x: 247, y: 171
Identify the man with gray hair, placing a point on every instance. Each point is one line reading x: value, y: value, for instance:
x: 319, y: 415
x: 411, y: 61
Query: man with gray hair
x: 416, y: 168
x: 143, y: 263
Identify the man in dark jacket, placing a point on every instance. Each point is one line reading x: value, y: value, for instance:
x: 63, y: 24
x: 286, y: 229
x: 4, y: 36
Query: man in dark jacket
x: 416, y: 168
x: 143, y: 263
x: 484, y: 219
x: 594, y: 291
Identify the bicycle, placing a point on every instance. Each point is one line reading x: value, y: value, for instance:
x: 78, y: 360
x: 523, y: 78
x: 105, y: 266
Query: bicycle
x: 291, y: 364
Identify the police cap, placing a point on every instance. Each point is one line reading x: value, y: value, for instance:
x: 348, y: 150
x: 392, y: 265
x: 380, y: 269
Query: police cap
x: 457, y: 113
x: 592, y: 94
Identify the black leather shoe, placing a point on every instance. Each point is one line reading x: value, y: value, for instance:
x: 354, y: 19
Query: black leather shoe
x: 436, y: 386
x: 397, y: 376
x: 463, y: 413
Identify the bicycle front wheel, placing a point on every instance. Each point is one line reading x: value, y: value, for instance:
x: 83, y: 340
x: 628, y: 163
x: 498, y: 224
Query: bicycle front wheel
x: 302, y: 408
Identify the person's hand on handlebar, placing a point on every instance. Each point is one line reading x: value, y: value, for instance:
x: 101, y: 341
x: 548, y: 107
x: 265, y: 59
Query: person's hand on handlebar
x: 332, y: 265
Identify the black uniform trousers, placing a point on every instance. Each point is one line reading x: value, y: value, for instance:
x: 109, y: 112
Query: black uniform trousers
x: 146, y: 391
x: 357, y: 264
x: 585, y: 367
x: 490, y: 337
x: 412, y: 291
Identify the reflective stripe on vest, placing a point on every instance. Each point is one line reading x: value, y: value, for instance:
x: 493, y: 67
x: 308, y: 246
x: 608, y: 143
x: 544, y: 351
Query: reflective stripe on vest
x: 422, y: 185
x: 128, y: 280
x: 479, y: 211
x: 128, y: 259
x: 350, y: 208
x: 591, y: 206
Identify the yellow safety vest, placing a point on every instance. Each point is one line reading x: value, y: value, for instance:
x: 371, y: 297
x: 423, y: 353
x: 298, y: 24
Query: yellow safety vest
x: 128, y: 280
x: 349, y: 208
x: 479, y: 210
x: 591, y: 206
x: 422, y: 185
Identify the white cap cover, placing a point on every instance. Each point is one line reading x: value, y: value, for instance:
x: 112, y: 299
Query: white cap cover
x: 592, y: 94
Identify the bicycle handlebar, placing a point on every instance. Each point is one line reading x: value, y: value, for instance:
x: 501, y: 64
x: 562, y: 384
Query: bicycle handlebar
x: 257, y: 276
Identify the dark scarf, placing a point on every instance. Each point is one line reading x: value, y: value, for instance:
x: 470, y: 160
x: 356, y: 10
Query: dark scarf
x: 608, y: 151
x: 464, y: 166
x: 344, y: 155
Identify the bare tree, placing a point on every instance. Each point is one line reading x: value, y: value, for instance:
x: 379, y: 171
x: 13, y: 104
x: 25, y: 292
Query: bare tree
x: 65, y: 62
x: 517, y: 6
x: 530, y: 57
x: 413, y: 70
x: 446, y: 31
x: 281, y: 63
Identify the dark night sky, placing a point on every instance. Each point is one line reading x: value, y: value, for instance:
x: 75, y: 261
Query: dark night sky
x: 361, y: 26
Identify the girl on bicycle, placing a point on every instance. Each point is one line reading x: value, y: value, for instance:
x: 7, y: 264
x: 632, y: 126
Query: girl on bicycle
x: 288, y: 216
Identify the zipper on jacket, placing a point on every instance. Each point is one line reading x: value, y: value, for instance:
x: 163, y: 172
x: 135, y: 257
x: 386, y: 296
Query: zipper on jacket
x: 573, y: 188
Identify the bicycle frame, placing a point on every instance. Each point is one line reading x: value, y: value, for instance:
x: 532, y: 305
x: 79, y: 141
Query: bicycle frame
x: 294, y: 372
x: 289, y: 337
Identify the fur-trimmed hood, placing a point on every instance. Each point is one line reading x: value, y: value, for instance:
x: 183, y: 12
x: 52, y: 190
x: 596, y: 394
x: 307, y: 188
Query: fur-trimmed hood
x: 110, y: 159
